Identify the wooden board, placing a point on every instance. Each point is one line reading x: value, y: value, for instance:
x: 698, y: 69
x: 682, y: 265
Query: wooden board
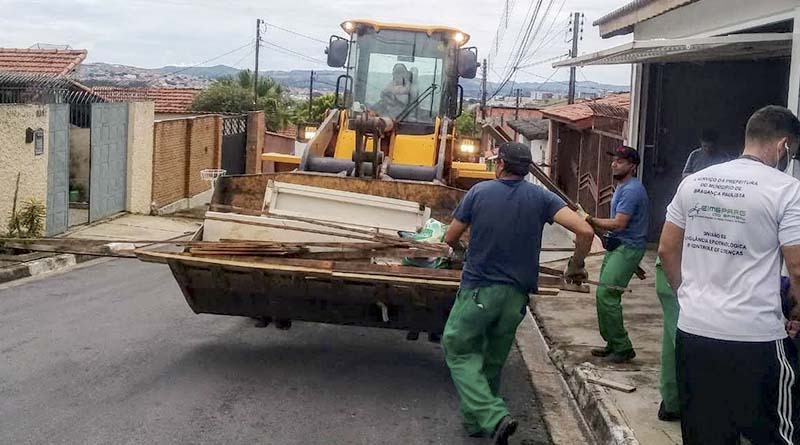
x: 324, y: 134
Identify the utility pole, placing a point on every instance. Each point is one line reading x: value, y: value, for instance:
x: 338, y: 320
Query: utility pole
x: 516, y: 116
x: 310, y: 94
x: 255, y: 73
x: 483, y: 91
x: 576, y: 24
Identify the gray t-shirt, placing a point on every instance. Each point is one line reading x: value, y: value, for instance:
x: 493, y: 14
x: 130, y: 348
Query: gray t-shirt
x: 700, y: 159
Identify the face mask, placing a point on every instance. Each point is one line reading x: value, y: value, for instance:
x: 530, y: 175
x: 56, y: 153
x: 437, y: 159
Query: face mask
x: 783, y: 162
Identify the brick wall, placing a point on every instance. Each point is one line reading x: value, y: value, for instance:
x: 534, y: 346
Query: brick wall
x: 181, y: 148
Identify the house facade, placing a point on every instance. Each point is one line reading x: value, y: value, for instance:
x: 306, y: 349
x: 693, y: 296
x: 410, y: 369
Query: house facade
x: 698, y: 64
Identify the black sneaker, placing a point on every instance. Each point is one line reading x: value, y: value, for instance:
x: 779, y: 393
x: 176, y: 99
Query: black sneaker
x: 667, y: 416
x: 620, y: 357
x: 505, y: 428
x: 601, y: 352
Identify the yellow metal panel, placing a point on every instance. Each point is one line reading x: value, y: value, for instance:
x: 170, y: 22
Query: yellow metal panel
x: 428, y: 29
x: 280, y: 157
x: 475, y: 174
x: 473, y: 166
x: 415, y: 149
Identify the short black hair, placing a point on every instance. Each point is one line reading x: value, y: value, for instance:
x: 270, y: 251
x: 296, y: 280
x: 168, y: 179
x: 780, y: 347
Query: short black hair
x: 516, y: 169
x: 709, y: 135
x: 771, y: 123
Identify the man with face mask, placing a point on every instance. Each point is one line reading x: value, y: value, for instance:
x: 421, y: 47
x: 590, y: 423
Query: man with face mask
x: 505, y: 218
x: 727, y: 228
x: 625, y: 246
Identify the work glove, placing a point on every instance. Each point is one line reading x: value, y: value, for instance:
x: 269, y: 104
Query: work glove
x: 575, y: 273
x: 458, y: 254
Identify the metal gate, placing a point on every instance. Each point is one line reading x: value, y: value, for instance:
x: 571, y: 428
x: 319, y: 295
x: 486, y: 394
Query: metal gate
x: 57, y: 219
x: 108, y: 159
x: 234, y: 144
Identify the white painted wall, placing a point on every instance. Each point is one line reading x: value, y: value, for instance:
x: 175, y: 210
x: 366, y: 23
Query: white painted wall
x: 714, y: 17
x: 17, y: 157
x: 140, y: 157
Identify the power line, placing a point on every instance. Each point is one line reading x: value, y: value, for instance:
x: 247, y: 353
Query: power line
x: 585, y: 87
x: 295, y: 33
x: 294, y: 53
x: 213, y: 58
x: 249, y: 53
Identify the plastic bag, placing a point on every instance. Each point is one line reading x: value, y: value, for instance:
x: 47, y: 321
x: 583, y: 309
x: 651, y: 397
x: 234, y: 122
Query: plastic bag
x: 432, y: 232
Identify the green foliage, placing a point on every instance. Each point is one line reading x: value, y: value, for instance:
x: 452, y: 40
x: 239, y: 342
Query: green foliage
x: 234, y: 94
x: 319, y: 105
x: 466, y: 124
x: 224, y: 97
x: 28, y: 221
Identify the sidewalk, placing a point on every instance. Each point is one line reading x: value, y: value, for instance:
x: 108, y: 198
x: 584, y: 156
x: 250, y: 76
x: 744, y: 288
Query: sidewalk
x: 568, y: 322
x: 138, y: 227
x: 123, y: 228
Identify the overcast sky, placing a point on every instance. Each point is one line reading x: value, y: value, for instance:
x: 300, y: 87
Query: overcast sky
x: 154, y: 33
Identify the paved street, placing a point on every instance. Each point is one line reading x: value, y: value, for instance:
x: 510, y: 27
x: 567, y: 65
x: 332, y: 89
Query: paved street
x: 111, y: 353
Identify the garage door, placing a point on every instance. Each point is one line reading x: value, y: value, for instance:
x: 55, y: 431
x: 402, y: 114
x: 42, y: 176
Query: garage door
x: 109, y: 152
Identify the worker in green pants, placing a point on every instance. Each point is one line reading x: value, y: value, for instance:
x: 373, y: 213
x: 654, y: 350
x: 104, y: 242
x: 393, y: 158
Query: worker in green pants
x: 669, y: 410
x: 625, y: 247
x: 505, y: 218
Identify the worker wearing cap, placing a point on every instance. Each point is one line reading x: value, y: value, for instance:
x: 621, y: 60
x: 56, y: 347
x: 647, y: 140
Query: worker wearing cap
x: 625, y: 246
x: 505, y: 218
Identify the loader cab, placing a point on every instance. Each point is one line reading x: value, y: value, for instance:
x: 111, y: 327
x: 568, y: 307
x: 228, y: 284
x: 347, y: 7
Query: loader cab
x: 408, y: 74
x: 395, y: 103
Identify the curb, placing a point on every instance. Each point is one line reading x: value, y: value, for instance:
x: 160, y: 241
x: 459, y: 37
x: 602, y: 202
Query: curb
x: 598, y: 413
x: 560, y: 410
x: 41, y: 266
x: 598, y: 409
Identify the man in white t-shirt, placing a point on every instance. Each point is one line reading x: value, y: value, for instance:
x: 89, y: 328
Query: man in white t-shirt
x: 721, y: 247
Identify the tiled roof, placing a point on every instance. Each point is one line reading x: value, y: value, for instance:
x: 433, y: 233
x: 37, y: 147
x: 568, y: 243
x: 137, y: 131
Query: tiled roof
x: 581, y: 111
x: 167, y: 100
x: 531, y: 128
x: 55, y: 62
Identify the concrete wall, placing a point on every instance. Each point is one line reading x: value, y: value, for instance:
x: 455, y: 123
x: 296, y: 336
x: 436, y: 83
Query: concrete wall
x: 277, y: 143
x: 17, y: 157
x: 709, y: 17
x: 140, y: 157
x: 181, y: 148
x: 79, y: 146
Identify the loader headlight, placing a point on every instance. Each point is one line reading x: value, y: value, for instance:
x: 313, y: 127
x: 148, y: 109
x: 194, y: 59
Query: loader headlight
x: 459, y: 37
x: 349, y: 26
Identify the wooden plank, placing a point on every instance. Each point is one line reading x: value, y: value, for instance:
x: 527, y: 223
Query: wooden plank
x: 405, y: 271
x: 611, y: 384
x: 391, y: 279
x: 297, y: 229
x: 324, y: 134
x: 152, y: 256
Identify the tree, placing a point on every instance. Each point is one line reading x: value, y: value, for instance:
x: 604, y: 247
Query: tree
x: 466, y: 125
x: 319, y: 105
x: 234, y: 94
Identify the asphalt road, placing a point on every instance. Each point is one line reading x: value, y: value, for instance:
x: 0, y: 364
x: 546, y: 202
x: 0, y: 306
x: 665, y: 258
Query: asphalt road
x: 111, y: 353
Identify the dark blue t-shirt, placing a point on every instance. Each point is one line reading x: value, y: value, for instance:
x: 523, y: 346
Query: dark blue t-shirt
x: 506, y: 219
x: 630, y: 198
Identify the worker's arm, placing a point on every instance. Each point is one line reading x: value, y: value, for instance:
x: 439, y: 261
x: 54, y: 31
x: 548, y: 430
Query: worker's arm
x: 670, y: 250
x: 791, y: 256
x: 584, y: 234
x: 688, y: 168
x: 619, y: 222
x: 454, y: 233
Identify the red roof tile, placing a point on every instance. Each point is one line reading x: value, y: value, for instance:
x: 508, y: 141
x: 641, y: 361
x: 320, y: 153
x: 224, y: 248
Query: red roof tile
x: 167, y: 100
x: 55, y: 62
x: 581, y: 110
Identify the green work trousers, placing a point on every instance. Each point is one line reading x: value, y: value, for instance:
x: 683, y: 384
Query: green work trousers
x: 477, y: 339
x: 667, y: 382
x: 618, y: 267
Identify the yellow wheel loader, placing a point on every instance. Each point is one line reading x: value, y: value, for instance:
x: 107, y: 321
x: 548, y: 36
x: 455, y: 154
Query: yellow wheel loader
x: 395, y: 105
